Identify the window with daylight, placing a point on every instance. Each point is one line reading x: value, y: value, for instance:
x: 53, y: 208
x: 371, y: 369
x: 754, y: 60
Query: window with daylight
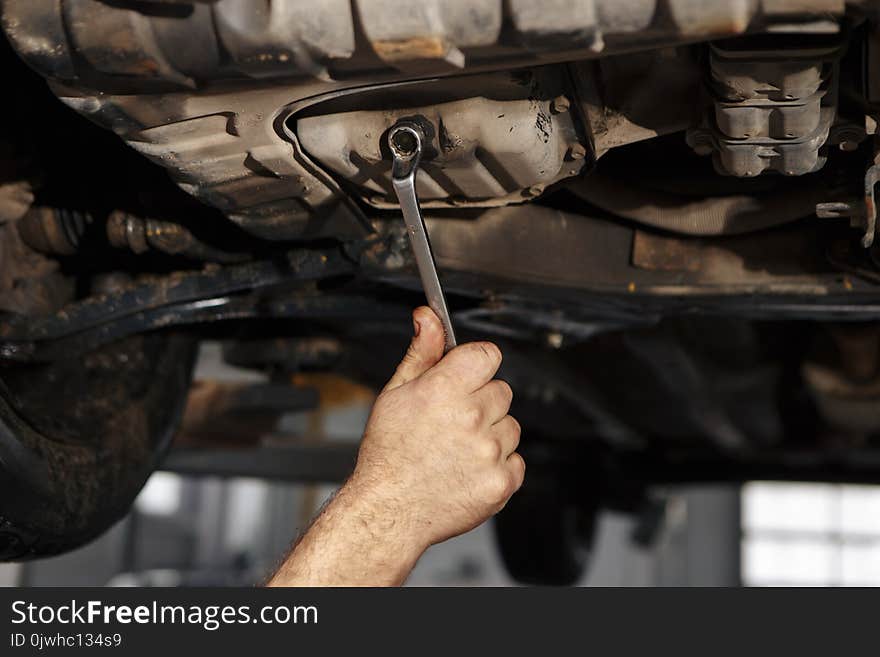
x: 810, y: 534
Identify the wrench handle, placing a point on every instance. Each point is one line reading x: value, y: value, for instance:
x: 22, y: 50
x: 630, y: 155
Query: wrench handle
x: 421, y: 246
x: 405, y: 140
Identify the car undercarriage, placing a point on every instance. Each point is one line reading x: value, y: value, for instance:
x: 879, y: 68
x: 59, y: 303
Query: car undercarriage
x: 662, y: 211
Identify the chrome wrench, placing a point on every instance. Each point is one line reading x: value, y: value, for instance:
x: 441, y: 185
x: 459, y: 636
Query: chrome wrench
x: 405, y: 140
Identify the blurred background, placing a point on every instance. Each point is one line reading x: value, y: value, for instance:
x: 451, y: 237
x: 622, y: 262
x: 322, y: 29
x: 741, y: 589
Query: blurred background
x: 219, y: 514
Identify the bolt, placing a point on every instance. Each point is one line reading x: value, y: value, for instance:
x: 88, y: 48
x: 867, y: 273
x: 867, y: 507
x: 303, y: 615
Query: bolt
x: 577, y: 151
x: 559, y: 105
x: 534, y: 190
x: 848, y: 145
x: 404, y: 141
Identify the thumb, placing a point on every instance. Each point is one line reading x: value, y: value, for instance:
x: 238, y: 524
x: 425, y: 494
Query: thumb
x: 425, y: 350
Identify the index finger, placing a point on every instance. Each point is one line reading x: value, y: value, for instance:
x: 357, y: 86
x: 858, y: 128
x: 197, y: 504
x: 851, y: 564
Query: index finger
x: 472, y: 365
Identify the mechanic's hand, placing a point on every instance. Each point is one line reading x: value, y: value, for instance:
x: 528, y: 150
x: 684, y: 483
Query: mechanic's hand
x: 439, y: 449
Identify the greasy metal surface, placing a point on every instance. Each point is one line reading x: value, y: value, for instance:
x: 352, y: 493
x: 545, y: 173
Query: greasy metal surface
x: 251, y: 306
x: 30, y: 283
x: 557, y: 248
x: 591, y: 283
x: 140, y: 235
x: 785, y: 274
x: 718, y: 213
x: 405, y: 141
x: 190, y: 46
x: 619, y: 95
x: 181, y: 287
x: 504, y: 142
x: 203, y: 89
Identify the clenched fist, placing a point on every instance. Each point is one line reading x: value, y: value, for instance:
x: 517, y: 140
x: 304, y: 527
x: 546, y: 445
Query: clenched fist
x: 440, y: 447
x: 438, y: 457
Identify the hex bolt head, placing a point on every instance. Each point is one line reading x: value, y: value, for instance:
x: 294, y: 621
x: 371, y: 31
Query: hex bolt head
x: 404, y: 141
x: 577, y: 151
x: 559, y: 104
x: 534, y: 190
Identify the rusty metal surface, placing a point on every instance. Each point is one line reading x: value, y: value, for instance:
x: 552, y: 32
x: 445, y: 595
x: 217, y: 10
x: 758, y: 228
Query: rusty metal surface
x: 204, y: 89
x: 721, y: 262
x: 30, y: 283
x: 703, y: 214
x: 140, y: 235
x: 146, y: 304
x: 181, y: 46
x: 662, y: 253
x: 773, y: 104
x: 619, y: 95
x: 507, y: 143
x: 589, y: 252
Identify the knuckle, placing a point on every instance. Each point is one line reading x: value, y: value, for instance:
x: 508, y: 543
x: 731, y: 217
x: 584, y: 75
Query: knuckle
x: 472, y: 417
x: 512, y: 485
x: 498, y: 487
x: 490, y: 450
x: 514, y: 428
x: 506, y: 390
x: 519, y: 472
x: 513, y: 435
x: 503, y: 395
x: 441, y: 379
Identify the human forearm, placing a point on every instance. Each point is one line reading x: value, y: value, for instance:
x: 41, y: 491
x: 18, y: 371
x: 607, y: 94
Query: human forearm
x: 359, y: 539
x: 437, y: 458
